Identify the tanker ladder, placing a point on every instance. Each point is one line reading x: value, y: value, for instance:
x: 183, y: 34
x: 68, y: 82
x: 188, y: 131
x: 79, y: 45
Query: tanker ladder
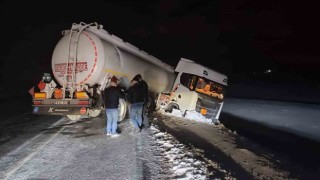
x: 69, y: 84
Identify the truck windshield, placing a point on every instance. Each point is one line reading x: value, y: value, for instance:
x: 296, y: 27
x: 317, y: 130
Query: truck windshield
x: 203, y: 85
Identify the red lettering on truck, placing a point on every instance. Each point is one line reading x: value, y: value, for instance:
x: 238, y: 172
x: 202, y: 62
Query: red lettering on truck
x: 61, y: 68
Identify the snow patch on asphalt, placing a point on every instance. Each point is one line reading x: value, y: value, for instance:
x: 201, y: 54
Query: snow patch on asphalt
x: 183, y: 163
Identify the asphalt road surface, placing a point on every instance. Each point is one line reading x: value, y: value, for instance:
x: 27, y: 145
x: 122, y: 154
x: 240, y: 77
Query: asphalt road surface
x: 68, y: 149
x: 52, y: 147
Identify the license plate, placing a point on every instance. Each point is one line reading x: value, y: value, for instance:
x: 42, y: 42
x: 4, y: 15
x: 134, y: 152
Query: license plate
x: 61, y: 102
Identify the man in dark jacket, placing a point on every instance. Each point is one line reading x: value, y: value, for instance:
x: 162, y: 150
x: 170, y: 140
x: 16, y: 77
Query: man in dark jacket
x: 136, y: 97
x: 112, y: 94
x: 145, y: 121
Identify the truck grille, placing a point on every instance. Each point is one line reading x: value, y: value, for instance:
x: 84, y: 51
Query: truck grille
x: 211, y: 104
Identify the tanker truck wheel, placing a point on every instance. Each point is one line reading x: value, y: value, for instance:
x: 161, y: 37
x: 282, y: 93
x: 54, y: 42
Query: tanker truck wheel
x: 74, y: 117
x: 151, y: 105
x: 122, y: 109
x: 171, y: 107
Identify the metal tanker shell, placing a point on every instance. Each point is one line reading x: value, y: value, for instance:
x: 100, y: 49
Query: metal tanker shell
x: 98, y: 56
x: 90, y: 59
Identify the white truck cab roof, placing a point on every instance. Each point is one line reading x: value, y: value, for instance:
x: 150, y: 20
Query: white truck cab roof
x: 189, y: 66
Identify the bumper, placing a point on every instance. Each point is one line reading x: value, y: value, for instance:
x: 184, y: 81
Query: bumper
x: 58, y: 110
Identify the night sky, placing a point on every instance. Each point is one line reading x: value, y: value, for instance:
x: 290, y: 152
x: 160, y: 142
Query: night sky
x: 241, y: 38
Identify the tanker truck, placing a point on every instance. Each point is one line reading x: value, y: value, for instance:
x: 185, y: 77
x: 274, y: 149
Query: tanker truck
x: 87, y: 56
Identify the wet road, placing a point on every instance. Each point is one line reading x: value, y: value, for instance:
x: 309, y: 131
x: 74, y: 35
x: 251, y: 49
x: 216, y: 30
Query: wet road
x: 290, y: 130
x: 21, y: 128
x: 300, y: 119
x: 51, y: 147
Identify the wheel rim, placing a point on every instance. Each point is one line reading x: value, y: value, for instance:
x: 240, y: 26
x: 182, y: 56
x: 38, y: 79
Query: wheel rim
x: 122, y: 109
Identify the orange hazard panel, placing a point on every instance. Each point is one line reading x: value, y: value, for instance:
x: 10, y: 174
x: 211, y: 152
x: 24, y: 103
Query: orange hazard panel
x: 41, y: 85
x: 39, y: 95
x: 58, y: 93
x: 203, y: 111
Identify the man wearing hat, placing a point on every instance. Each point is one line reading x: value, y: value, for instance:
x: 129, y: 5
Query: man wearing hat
x: 112, y: 94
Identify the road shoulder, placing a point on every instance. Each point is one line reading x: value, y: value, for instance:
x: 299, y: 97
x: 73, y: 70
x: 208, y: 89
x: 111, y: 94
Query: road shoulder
x: 246, y: 160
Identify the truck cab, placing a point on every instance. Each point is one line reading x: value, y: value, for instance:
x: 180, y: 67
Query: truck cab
x: 196, y: 88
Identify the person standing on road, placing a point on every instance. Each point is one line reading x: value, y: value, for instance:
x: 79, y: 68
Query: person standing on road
x: 145, y: 120
x: 112, y: 94
x: 135, y: 97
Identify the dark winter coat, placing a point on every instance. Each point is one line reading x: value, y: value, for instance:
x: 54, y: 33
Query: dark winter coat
x: 145, y: 90
x: 136, y: 93
x: 112, y: 95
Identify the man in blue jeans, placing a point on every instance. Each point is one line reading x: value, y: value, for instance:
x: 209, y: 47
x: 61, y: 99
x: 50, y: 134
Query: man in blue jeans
x: 112, y: 94
x: 145, y: 120
x: 136, y: 116
x: 136, y: 97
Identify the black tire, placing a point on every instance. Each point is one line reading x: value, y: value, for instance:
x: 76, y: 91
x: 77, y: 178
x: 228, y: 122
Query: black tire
x: 151, y: 104
x: 171, y: 107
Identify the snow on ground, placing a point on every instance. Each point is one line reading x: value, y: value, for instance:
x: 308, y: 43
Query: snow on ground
x: 187, y: 162
x: 184, y: 165
x: 191, y: 115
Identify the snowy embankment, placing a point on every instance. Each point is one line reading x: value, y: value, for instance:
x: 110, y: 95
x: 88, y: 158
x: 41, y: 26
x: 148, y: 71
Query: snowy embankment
x: 226, y: 154
x: 184, y: 164
x: 191, y: 115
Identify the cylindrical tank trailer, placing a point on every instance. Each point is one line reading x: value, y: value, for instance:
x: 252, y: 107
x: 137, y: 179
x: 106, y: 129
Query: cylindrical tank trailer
x: 84, y: 59
x: 96, y: 58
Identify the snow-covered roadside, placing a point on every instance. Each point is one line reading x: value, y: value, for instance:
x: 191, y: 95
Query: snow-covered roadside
x: 186, y: 163
x: 183, y: 164
x: 190, y: 115
x: 221, y: 147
